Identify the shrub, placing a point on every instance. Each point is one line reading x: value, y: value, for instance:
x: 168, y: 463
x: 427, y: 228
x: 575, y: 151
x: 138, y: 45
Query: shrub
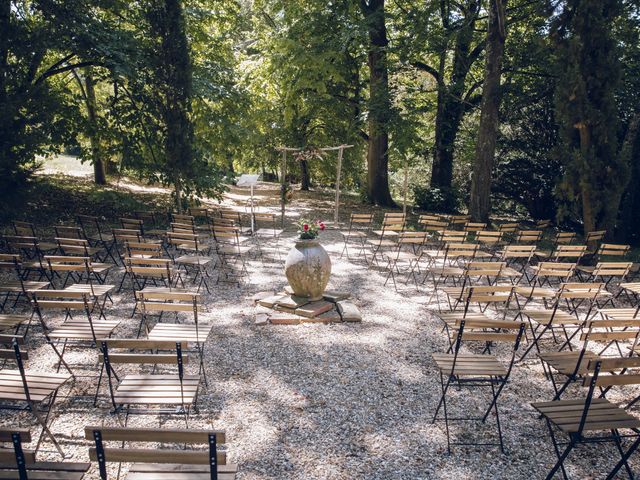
x: 434, y: 199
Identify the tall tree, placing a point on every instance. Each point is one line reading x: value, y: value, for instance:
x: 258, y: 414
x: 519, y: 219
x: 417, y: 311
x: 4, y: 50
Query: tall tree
x: 379, y: 104
x: 175, y: 74
x: 589, y: 71
x: 480, y: 201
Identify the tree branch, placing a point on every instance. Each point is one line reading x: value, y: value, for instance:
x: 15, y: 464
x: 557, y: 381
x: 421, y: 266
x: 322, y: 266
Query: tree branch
x: 66, y: 68
x: 429, y: 69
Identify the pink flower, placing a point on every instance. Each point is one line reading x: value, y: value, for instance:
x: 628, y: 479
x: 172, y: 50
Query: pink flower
x: 305, y: 227
x: 321, y: 226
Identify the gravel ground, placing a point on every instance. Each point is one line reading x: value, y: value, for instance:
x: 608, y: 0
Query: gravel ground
x: 337, y: 401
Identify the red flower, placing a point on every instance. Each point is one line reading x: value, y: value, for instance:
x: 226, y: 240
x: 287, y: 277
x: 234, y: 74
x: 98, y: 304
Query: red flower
x: 321, y: 226
x: 305, y: 227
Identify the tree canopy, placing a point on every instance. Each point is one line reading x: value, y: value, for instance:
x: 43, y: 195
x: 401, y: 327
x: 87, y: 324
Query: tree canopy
x: 495, y: 106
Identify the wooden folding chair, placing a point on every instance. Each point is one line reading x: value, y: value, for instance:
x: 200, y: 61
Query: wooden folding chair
x: 469, y: 370
x: 160, y: 272
x: 26, y: 229
x: 571, y: 366
x: 267, y: 233
x: 605, y: 271
x: 543, y: 224
x: 408, y: 259
x: 489, y: 239
x: 77, y: 269
x: 35, y: 392
x: 83, y: 272
x: 29, y: 249
x: 594, y: 419
x: 153, y: 223
x: 555, y: 318
x: 497, y: 297
x: 161, y: 463
x: 146, y: 390
x: 158, y: 301
x: 474, y: 227
x: 546, y: 272
x: 360, y: 225
x: 392, y: 225
x: 19, y: 463
x: 517, y: 254
x: 594, y: 238
x: 81, y: 333
x: 192, y: 256
x: 231, y: 252
x: 528, y: 237
x: 97, y: 235
x: 18, y: 288
x: 142, y: 249
x: 122, y: 236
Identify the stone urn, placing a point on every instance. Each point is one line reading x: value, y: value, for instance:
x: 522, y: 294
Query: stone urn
x: 308, y: 268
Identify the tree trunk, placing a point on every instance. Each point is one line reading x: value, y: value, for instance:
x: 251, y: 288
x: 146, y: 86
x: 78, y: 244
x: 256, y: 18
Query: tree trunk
x: 480, y: 203
x: 99, y: 171
x: 451, y: 104
x: 379, y: 105
x: 177, y: 83
x: 304, y: 176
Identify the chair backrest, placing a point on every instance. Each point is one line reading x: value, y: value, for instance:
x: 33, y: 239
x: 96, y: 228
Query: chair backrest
x: 19, y: 243
x: 185, y: 240
x: 518, y: 251
x: 231, y: 216
x: 612, y: 250
x: 458, y: 220
x: 150, y: 218
x: 143, y: 249
x: 415, y: 239
x: 612, y: 269
x: 543, y: 224
x: 199, y: 212
x: 10, y: 261
x: 528, y: 236
x: 508, y: 227
x: 393, y: 222
x: 183, y: 219
x: 489, y: 237
x: 484, y: 269
x: 580, y: 290
x: 122, y: 235
x: 66, y: 300
x: 474, y: 226
x: 226, y: 235
x: 66, y: 263
x: 70, y: 232
x: 595, y: 236
x: 613, y: 332
x: 564, y: 238
x: 133, y: 224
x: 24, y: 229
x: 360, y: 221
x: 569, y: 251
x: 155, y: 268
x: 454, y: 251
x: 453, y: 236
x: 555, y: 269
x: 74, y: 246
x: 433, y: 223
x: 167, y: 301
x: 104, y: 454
x: 269, y: 220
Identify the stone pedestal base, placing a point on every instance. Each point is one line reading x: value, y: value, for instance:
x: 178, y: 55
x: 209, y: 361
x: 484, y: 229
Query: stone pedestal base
x: 284, y: 308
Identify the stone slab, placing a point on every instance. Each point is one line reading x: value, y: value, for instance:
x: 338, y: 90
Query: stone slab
x: 349, y: 312
x: 285, y: 319
x: 261, y: 309
x: 288, y: 290
x: 292, y: 301
x: 332, y: 316
x: 261, y: 319
x: 335, y: 296
x: 270, y: 301
x: 261, y: 295
x: 314, y: 309
x: 282, y: 308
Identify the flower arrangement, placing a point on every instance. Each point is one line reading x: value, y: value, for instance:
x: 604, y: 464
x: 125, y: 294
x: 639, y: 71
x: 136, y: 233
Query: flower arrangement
x: 308, y: 230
